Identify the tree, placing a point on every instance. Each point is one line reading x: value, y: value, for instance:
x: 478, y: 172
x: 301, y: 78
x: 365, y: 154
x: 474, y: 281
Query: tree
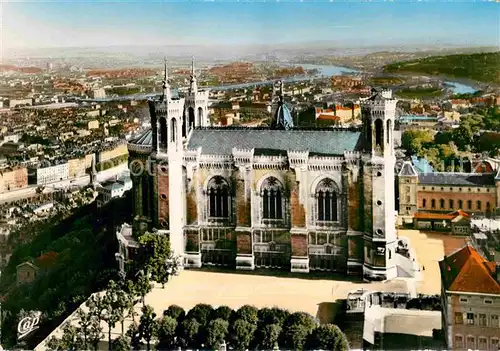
x: 216, y: 333
x: 156, y: 255
x: 241, y: 334
x: 190, y: 330
x: 272, y: 315
x: 95, y: 305
x: 143, y: 286
x: 222, y: 312
x: 268, y: 336
x: 147, y: 325
x: 413, y: 140
x: 248, y: 313
x: 123, y: 305
x: 328, y: 337
x: 129, y: 287
x: 166, y: 333
x: 296, y: 329
x: 175, y: 312
x: 111, y: 307
x: 135, y: 336
x: 95, y: 332
x: 85, y: 322
x: 201, y: 312
x: 121, y: 343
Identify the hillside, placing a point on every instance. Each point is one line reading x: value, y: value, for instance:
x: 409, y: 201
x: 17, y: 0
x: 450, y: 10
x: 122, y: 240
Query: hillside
x: 483, y: 67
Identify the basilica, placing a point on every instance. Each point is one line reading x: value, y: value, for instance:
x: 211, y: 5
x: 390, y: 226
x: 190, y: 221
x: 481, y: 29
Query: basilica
x: 277, y: 197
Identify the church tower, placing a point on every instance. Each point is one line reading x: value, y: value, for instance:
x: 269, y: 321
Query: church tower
x: 166, y: 166
x: 380, y: 238
x: 196, y: 110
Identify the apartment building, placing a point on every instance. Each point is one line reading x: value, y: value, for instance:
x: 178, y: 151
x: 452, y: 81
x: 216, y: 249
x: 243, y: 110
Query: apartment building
x: 44, y: 174
x: 13, y: 178
x: 470, y: 295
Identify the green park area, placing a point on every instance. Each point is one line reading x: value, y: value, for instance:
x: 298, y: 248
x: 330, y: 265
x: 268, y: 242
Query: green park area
x: 478, y: 132
x: 419, y: 93
x: 482, y: 67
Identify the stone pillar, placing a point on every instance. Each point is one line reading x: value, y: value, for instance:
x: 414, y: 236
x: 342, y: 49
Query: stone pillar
x: 244, y: 246
x: 354, y: 219
x: 298, y: 234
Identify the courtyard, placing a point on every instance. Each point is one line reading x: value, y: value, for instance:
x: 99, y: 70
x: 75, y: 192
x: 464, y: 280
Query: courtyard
x: 430, y: 248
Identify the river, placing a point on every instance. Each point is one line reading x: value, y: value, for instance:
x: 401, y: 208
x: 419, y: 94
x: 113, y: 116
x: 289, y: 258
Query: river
x: 459, y: 88
x: 324, y: 71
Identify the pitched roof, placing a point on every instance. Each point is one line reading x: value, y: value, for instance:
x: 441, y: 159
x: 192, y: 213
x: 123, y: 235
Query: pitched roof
x: 221, y: 141
x: 451, y: 178
x: 145, y: 139
x: 421, y: 165
x: 407, y: 169
x: 467, y: 271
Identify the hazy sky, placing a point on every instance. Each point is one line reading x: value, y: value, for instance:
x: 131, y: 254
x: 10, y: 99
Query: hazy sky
x: 108, y: 23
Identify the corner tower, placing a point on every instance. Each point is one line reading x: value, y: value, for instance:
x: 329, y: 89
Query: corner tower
x: 380, y: 239
x: 196, y: 111
x: 166, y: 166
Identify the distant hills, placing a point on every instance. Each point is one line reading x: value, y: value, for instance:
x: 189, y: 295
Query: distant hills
x: 481, y: 67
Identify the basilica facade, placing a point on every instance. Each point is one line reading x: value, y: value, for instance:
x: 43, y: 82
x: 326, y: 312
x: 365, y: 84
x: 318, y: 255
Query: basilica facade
x: 278, y: 197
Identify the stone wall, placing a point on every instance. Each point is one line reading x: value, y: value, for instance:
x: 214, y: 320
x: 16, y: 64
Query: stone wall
x: 299, y: 245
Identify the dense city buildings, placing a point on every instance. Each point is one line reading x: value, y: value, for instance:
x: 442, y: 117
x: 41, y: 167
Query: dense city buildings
x: 471, y: 300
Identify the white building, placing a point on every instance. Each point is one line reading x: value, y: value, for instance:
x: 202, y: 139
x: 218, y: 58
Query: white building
x: 111, y: 190
x: 98, y: 93
x: 45, y: 174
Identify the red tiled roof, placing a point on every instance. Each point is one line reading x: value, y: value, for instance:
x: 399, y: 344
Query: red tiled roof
x: 467, y: 271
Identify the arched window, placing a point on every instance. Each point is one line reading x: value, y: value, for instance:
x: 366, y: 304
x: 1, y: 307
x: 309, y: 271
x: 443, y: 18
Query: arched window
x: 441, y: 203
x: 460, y: 205
x: 191, y: 118
x: 163, y: 132
x: 479, y: 205
x: 452, y: 204
x: 200, y: 117
x: 272, y: 199
x: 326, y: 196
x: 379, y: 133
x: 433, y: 203
x: 218, y: 198
x: 488, y: 206
x: 469, y: 205
x: 173, y: 130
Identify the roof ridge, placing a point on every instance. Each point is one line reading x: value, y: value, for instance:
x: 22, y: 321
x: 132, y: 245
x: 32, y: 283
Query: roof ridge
x: 473, y: 258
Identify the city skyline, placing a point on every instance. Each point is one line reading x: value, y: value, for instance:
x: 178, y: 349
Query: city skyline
x: 101, y: 24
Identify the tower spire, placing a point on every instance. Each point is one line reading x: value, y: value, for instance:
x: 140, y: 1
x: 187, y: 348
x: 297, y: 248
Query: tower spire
x: 194, y: 86
x: 166, y: 85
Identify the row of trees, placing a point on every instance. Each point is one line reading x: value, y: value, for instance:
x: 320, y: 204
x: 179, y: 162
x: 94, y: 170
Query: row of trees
x: 203, y: 327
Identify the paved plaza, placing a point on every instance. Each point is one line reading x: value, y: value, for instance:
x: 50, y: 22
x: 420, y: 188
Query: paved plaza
x: 430, y: 249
